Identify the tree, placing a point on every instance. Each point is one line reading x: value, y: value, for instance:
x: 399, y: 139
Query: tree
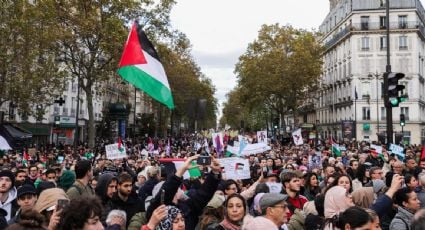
x: 280, y: 68
x: 29, y: 74
x: 188, y: 85
x: 93, y: 34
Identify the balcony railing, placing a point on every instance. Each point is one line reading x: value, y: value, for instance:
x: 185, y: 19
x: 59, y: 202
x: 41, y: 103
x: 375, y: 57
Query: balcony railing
x: 375, y: 26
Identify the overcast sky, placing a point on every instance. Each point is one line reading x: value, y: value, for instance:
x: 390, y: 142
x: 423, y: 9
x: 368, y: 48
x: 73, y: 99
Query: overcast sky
x: 220, y: 30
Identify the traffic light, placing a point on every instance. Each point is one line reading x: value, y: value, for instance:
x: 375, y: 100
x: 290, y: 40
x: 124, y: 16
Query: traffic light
x: 276, y: 122
x: 402, y: 120
x: 394, y: 88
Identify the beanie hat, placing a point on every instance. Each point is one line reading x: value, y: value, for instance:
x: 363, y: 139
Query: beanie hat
x: 378, y: 185
x: 8, y: 173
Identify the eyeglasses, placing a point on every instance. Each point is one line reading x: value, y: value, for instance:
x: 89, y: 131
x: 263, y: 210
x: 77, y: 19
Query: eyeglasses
x: 281, y: 206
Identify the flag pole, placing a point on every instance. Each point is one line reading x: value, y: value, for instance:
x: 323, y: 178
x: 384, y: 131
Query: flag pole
x: 134, y: 119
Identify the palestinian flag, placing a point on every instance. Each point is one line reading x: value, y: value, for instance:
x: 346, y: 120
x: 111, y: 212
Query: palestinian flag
x: 141, y: 67
x: 336, y: 150
x: 172, y: 164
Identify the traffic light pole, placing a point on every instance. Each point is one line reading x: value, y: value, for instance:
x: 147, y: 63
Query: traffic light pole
x: 388, y: 107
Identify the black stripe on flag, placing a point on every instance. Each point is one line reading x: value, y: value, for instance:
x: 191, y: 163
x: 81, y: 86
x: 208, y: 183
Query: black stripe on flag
x: 146, y: 44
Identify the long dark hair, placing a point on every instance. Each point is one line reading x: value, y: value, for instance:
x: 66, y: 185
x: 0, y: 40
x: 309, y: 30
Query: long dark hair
x: 308, y: 188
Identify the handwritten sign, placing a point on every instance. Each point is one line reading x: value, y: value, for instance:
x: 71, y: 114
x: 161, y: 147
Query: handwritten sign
x: 113, y: 152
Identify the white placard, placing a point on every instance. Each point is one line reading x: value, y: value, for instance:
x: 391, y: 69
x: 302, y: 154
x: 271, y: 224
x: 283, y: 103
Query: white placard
x: 113, y: 152
x: 235, y: 168
x: 249, y: 149
x: 262, y: 136
x: 298, y: 139
x: 397, y: 149
x: 377, y: 148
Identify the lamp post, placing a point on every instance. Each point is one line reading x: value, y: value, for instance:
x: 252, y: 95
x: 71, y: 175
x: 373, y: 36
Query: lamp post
x: 77, y: 136
x: 377, y: 102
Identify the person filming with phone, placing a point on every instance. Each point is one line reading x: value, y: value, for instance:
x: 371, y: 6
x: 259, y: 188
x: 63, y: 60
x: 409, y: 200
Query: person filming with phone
x: 193, y: 205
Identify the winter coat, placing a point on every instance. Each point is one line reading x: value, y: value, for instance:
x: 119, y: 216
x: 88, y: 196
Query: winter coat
x: 131, y: 206
x: 194, y: 205
x: 138, y: 220
x: 297, y: 220
x: 402, y: 220
x: 146, y: 190
x: 78, y: 189
x: 10, y: 205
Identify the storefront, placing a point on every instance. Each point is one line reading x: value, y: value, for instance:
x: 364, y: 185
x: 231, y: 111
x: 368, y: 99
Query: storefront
x: 63, y: 131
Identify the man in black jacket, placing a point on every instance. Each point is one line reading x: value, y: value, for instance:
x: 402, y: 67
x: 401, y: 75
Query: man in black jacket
x: 125, y: 198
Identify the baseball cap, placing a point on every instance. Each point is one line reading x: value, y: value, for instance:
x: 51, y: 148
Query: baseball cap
x: 271, y: 199
x: 26, y: 189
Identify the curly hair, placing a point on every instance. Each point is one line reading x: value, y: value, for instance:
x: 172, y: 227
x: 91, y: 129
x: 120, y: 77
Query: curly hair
x: 29, y: 219
x: 79, y: 210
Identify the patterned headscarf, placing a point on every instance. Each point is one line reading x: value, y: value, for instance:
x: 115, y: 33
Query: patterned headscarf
x: 167, y: 222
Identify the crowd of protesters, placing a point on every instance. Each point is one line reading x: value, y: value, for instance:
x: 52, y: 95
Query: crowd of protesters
x: 291, y: 187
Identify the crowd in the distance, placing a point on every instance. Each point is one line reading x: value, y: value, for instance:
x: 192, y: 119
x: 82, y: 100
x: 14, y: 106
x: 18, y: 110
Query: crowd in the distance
x: 291, y: 187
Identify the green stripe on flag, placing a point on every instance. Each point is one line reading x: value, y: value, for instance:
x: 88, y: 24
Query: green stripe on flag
x: 336, y: 150
x: 194, y: 170
x: 147, y: 83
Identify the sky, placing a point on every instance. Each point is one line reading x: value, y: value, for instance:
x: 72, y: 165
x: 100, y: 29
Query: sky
x: 220, y: 30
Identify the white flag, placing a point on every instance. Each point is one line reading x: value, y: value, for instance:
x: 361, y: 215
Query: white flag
x: 298, y: 139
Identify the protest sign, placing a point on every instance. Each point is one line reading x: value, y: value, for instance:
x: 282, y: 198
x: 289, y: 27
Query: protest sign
x: 298, y: 139
x: 262, y: 136
x: 249, y: 149
x: 377, y: 148
x: 397, y: 150
x: 235, y: 168
x: 114, y: 151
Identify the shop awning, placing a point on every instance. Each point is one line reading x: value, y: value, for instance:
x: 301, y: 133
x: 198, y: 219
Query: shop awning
x: 17, y: 133
x: 36, y: 129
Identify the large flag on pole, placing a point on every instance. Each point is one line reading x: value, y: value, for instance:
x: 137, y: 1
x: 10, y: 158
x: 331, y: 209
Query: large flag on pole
x: 141, y: 67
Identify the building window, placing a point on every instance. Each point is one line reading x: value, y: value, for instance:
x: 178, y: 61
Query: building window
x: 364, y: 22
x: 383, y: 42
x: 402, y: 21
x: 74, y: 87
x: 366, y: 114
x: 405, y: 111
x: 365, y: 43
x: 402, y: 40
x: 382, y: 22
x: 383, y: 113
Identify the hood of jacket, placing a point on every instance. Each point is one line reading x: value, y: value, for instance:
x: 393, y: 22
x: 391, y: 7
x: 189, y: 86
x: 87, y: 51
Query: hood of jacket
x: 12, y: 196
x: 102, y: 185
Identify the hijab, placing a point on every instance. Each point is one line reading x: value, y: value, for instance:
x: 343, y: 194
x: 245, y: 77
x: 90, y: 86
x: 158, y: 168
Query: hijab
x: 335, y: 201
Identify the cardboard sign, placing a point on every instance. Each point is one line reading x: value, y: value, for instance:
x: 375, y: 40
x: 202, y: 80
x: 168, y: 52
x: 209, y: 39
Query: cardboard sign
x: 235, y: 168
x: 113, y: 152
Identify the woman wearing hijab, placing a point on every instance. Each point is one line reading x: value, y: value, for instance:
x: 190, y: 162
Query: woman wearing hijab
x: 165, y: 218
x: 363, y: 197
x: 337, y: 200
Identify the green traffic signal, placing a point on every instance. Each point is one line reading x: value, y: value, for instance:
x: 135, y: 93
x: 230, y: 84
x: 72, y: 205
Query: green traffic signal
x: 395, y: 101
x: 402, y: 120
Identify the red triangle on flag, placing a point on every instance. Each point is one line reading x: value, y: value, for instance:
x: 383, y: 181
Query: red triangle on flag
x: 132, y: 54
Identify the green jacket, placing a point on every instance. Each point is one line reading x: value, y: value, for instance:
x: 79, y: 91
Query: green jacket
x: 79, y: 189
x: 138, y: 220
